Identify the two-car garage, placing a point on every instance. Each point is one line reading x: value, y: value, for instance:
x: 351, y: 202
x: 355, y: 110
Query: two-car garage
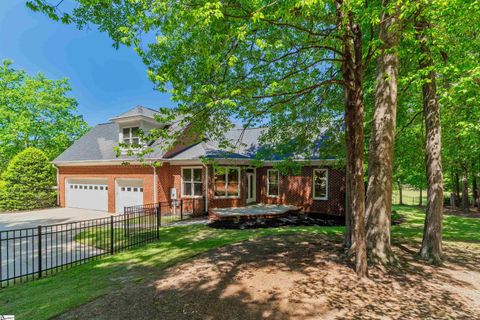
x: 93, y: 193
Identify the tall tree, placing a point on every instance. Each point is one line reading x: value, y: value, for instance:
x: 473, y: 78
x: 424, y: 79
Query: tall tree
x: 474, y: 186
x: 432, y: 236
x: 35, y: 112
x: 465, y: 202
x: 282, y: 64
x: 380, y: 160
x: 352, y: 71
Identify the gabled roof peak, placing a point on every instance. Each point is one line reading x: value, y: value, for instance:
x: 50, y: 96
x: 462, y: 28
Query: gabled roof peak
x: 137, y: 111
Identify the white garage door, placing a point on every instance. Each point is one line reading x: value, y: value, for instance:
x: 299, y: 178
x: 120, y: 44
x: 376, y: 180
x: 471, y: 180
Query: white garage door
x: 87, y: 194
x: 129, y: 193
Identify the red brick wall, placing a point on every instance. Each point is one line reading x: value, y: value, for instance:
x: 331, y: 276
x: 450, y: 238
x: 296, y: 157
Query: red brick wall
x: 297, y: 190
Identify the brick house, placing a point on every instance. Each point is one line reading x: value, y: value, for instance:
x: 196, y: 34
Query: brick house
x: 91, y: 176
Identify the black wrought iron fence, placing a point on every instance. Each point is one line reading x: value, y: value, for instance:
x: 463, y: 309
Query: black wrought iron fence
x: 32, y: 253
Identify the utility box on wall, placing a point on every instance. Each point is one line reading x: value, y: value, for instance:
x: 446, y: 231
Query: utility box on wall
x: 173, y: 194
x: 173, y: 199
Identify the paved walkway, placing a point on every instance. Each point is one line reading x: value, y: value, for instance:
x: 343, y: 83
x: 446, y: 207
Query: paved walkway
x: 190, y: 222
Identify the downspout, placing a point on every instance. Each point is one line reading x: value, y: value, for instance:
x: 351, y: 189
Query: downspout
x: 206, y: 187
x: 58, y: 186
x: 155, y: 197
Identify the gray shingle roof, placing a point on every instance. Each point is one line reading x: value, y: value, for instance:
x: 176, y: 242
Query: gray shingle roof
x: 138, y: 111
x: 245, y: 143
x: 98, y: 145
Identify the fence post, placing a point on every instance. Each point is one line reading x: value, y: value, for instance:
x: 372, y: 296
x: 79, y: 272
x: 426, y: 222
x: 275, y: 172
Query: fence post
x: 125, y: 214
x: 111, y: 234
x: 39, y: 234
x: 181, y: 209
x: 159, y: 216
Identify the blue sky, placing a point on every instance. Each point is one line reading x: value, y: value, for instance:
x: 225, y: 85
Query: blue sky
x: 105, y: 81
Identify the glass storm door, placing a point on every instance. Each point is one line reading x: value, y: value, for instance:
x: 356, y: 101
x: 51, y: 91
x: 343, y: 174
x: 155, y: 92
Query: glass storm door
x: 251, y: 187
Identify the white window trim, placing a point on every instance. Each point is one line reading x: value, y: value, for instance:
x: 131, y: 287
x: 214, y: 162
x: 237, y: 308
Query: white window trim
x: 268, y: 184
x: 182, y: 181
x: 130, y: 131
x: 226, y: 184
x: 326, y: 184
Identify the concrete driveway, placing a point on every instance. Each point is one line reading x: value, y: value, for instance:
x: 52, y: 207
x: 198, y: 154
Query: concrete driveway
x: 19, y: 248
x: 33, y: 218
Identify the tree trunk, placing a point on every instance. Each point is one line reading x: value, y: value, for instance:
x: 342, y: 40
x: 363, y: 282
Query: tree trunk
x: 352, y: 72
x: 432, y: 235
x: 420, y: 201
x: 347, y: 241
x: 465, y: 202
x: 474, y: 188
x: 456, y: 189
x: 400, y: 192
x: 380, y: 159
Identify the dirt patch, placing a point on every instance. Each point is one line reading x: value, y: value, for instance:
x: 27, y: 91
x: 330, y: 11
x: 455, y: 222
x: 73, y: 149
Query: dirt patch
x: 296, y: 277
x: 471, y: 213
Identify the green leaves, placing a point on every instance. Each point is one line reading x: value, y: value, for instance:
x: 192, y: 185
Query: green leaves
x: 28, y: 182
x: 35, y: 112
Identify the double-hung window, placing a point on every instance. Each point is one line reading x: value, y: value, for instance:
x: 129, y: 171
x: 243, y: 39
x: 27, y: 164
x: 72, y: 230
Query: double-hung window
x: 192, y: 182
x: 227, y: 182
x: 273, y: 178
x: 320, y: 184
x: 130, y: 136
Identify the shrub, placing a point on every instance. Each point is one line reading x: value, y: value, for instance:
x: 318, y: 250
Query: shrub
x: 28, y: 182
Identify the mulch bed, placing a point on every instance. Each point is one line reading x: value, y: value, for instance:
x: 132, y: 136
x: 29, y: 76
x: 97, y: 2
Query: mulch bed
x: 273, y: 222
x: 313, y: 219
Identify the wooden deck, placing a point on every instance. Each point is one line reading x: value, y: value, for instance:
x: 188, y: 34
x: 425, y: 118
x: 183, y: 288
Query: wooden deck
x: 253, y: 211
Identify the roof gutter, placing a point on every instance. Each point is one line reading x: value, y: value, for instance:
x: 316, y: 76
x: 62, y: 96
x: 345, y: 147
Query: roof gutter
x: 185, y: 161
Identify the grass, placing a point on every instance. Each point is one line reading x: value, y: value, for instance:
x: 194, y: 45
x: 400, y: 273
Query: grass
x: 100, y: 238
x: 410, y: 196
x: 51, y: 296
x: 455, y: 228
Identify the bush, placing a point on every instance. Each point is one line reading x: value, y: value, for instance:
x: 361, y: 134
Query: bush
x: 28, y: 182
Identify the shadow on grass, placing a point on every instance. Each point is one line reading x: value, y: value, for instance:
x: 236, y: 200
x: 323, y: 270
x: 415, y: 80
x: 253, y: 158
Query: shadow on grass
x: 50, y: 296
x: 283, y: 276
x: 69, y: 289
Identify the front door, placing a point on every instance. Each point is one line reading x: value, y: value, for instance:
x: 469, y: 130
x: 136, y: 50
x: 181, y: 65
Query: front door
x: 251, y: 187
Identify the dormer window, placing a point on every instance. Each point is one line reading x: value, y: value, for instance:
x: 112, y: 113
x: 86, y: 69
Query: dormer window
x: 130, y: 136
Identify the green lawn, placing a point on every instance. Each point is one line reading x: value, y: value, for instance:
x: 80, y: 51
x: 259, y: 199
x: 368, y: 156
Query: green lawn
x: 51, y: 296
x: 410, y: 196
x: 455, y: 229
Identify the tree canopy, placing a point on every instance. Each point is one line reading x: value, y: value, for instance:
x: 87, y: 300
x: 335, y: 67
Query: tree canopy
x: 307, y: 70
x: 36, y: 112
